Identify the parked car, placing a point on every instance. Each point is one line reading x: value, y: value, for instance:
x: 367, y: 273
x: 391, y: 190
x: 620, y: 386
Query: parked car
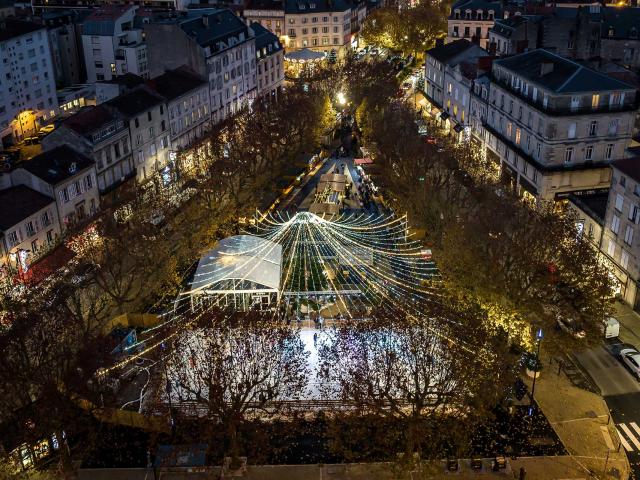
x: 630, y: 357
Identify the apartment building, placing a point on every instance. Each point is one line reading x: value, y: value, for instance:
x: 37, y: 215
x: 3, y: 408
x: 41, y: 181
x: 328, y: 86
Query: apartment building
x: 186, y: 96
x: 102, y: 135
x: 270, y: 56
x: 112, y: 44
x: 514, y: 34
x: 66, y: 176
x: 217, y: 45
x: 619, y: 41
x: 554, y: 125
x: 269, y: 14
x: 318, y: 24
x: 65, y: 51
x: 472, y: 19
x: 28, y: 224
x: 148, y: 123
x: 27, y: 80
x: 621, y: 244
x: 439, y: 62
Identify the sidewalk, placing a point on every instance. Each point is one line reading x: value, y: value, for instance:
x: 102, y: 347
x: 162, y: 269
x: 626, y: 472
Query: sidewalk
x: 582, y: 422
x: 629, y: 323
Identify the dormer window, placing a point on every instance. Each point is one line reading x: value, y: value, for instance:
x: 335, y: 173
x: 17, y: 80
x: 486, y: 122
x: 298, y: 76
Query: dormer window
x: 302, y: 6
x: 633, y: 33
x: 611, y: 32
x: 456, y: 14
x: 479, y: 15
x: 491, y: 12
x: 312, y: 5
x: 467, y: 15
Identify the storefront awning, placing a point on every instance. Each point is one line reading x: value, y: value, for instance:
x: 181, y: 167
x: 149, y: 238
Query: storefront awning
x: 363, y: 161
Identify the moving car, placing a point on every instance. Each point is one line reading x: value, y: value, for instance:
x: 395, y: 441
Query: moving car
x: 631, y: 358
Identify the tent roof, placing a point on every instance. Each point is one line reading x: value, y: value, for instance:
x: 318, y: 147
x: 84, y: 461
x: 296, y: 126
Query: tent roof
x: 304, y: 55
x: 241, y: 257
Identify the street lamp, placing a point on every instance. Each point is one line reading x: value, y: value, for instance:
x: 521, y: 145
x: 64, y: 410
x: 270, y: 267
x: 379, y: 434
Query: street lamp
x: 539, y: 336
x: 342, y: 100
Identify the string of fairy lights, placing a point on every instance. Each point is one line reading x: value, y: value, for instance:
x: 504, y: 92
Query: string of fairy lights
x: 355, y: 262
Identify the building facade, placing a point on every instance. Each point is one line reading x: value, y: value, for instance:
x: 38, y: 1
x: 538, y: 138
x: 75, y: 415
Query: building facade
x: 555, y: 125
x: 621, y: 242
x: 148, y: 123
x: 270, y: 56
x: 112, y: 44
x: 27, y: 88
x: 318, y: 24
x: 28, y: 225
x: 472, y: 19
x: 66, y: 176
x: 217, y: 45
x: 187, y: 100
x: 101, y: 135
x: 65, y: 51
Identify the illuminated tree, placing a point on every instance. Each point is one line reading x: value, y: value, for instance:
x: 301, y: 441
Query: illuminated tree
x: 440, y: 363
x: 235, y: 365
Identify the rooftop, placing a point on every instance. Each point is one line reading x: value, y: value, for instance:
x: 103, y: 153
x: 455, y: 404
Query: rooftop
x: 620, y: 22
x: 136, y: 101
x: 310, y: 6
x: 449, y: 52
x: 240, y: 257
x: 56, y: 165
x: 265, y: 5
x: 175, y: 83
x: 594, y: 204
x: 101, y: 22
x: 629, y: 166
x: 88, y: 119
x: 128, y: 80
x: 563, y: 75
x: 210, y: 28
x: 265, y: 38
x: 19, y: 203
x: 475, y: 5
x: 12, y: 28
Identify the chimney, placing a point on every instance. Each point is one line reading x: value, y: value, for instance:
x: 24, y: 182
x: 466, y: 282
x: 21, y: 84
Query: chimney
x: 205, y: 20
x: 545, y: 68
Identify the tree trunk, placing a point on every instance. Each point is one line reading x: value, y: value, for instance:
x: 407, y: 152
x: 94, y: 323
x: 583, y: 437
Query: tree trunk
x: 234, y: 448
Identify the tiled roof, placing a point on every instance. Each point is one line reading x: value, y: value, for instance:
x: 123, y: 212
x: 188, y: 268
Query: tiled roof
x: 629, y: 166
x: 566, y: 76
x: 19, y: 203
x: 175, y: 83
x: 11, y: 28
x: 136, y: 101
x: 56, y: 165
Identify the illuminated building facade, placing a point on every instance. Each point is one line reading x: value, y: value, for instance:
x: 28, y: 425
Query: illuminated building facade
x: 27, y: 80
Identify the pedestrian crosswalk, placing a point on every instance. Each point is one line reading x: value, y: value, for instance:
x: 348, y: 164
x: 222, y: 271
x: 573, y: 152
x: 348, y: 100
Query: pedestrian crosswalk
x: 629, y: 436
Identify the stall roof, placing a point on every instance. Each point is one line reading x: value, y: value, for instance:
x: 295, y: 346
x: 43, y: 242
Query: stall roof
x: 241, y: 257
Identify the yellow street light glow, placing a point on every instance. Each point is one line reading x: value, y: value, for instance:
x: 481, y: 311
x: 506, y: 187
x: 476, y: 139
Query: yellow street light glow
x: 342, y: 100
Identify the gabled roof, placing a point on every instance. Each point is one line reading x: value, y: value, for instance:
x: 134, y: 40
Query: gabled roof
x: 56, y: 165
x: 177, y: 82
x: 19, y: 203
x: 135, y: 102
x: 88, y: 119
x: 566, y: 75
x: 240, y: 257
x: 629, y: 166
x: 12, y: 28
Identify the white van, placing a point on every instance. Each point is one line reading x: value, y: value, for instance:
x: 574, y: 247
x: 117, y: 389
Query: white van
x: 611, y: 328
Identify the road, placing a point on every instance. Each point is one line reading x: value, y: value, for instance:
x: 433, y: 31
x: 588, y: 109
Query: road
x: 621, y: 390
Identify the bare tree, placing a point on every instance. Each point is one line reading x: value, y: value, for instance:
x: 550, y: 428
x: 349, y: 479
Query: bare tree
x: 235, y: 364
x: 417, y: 368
